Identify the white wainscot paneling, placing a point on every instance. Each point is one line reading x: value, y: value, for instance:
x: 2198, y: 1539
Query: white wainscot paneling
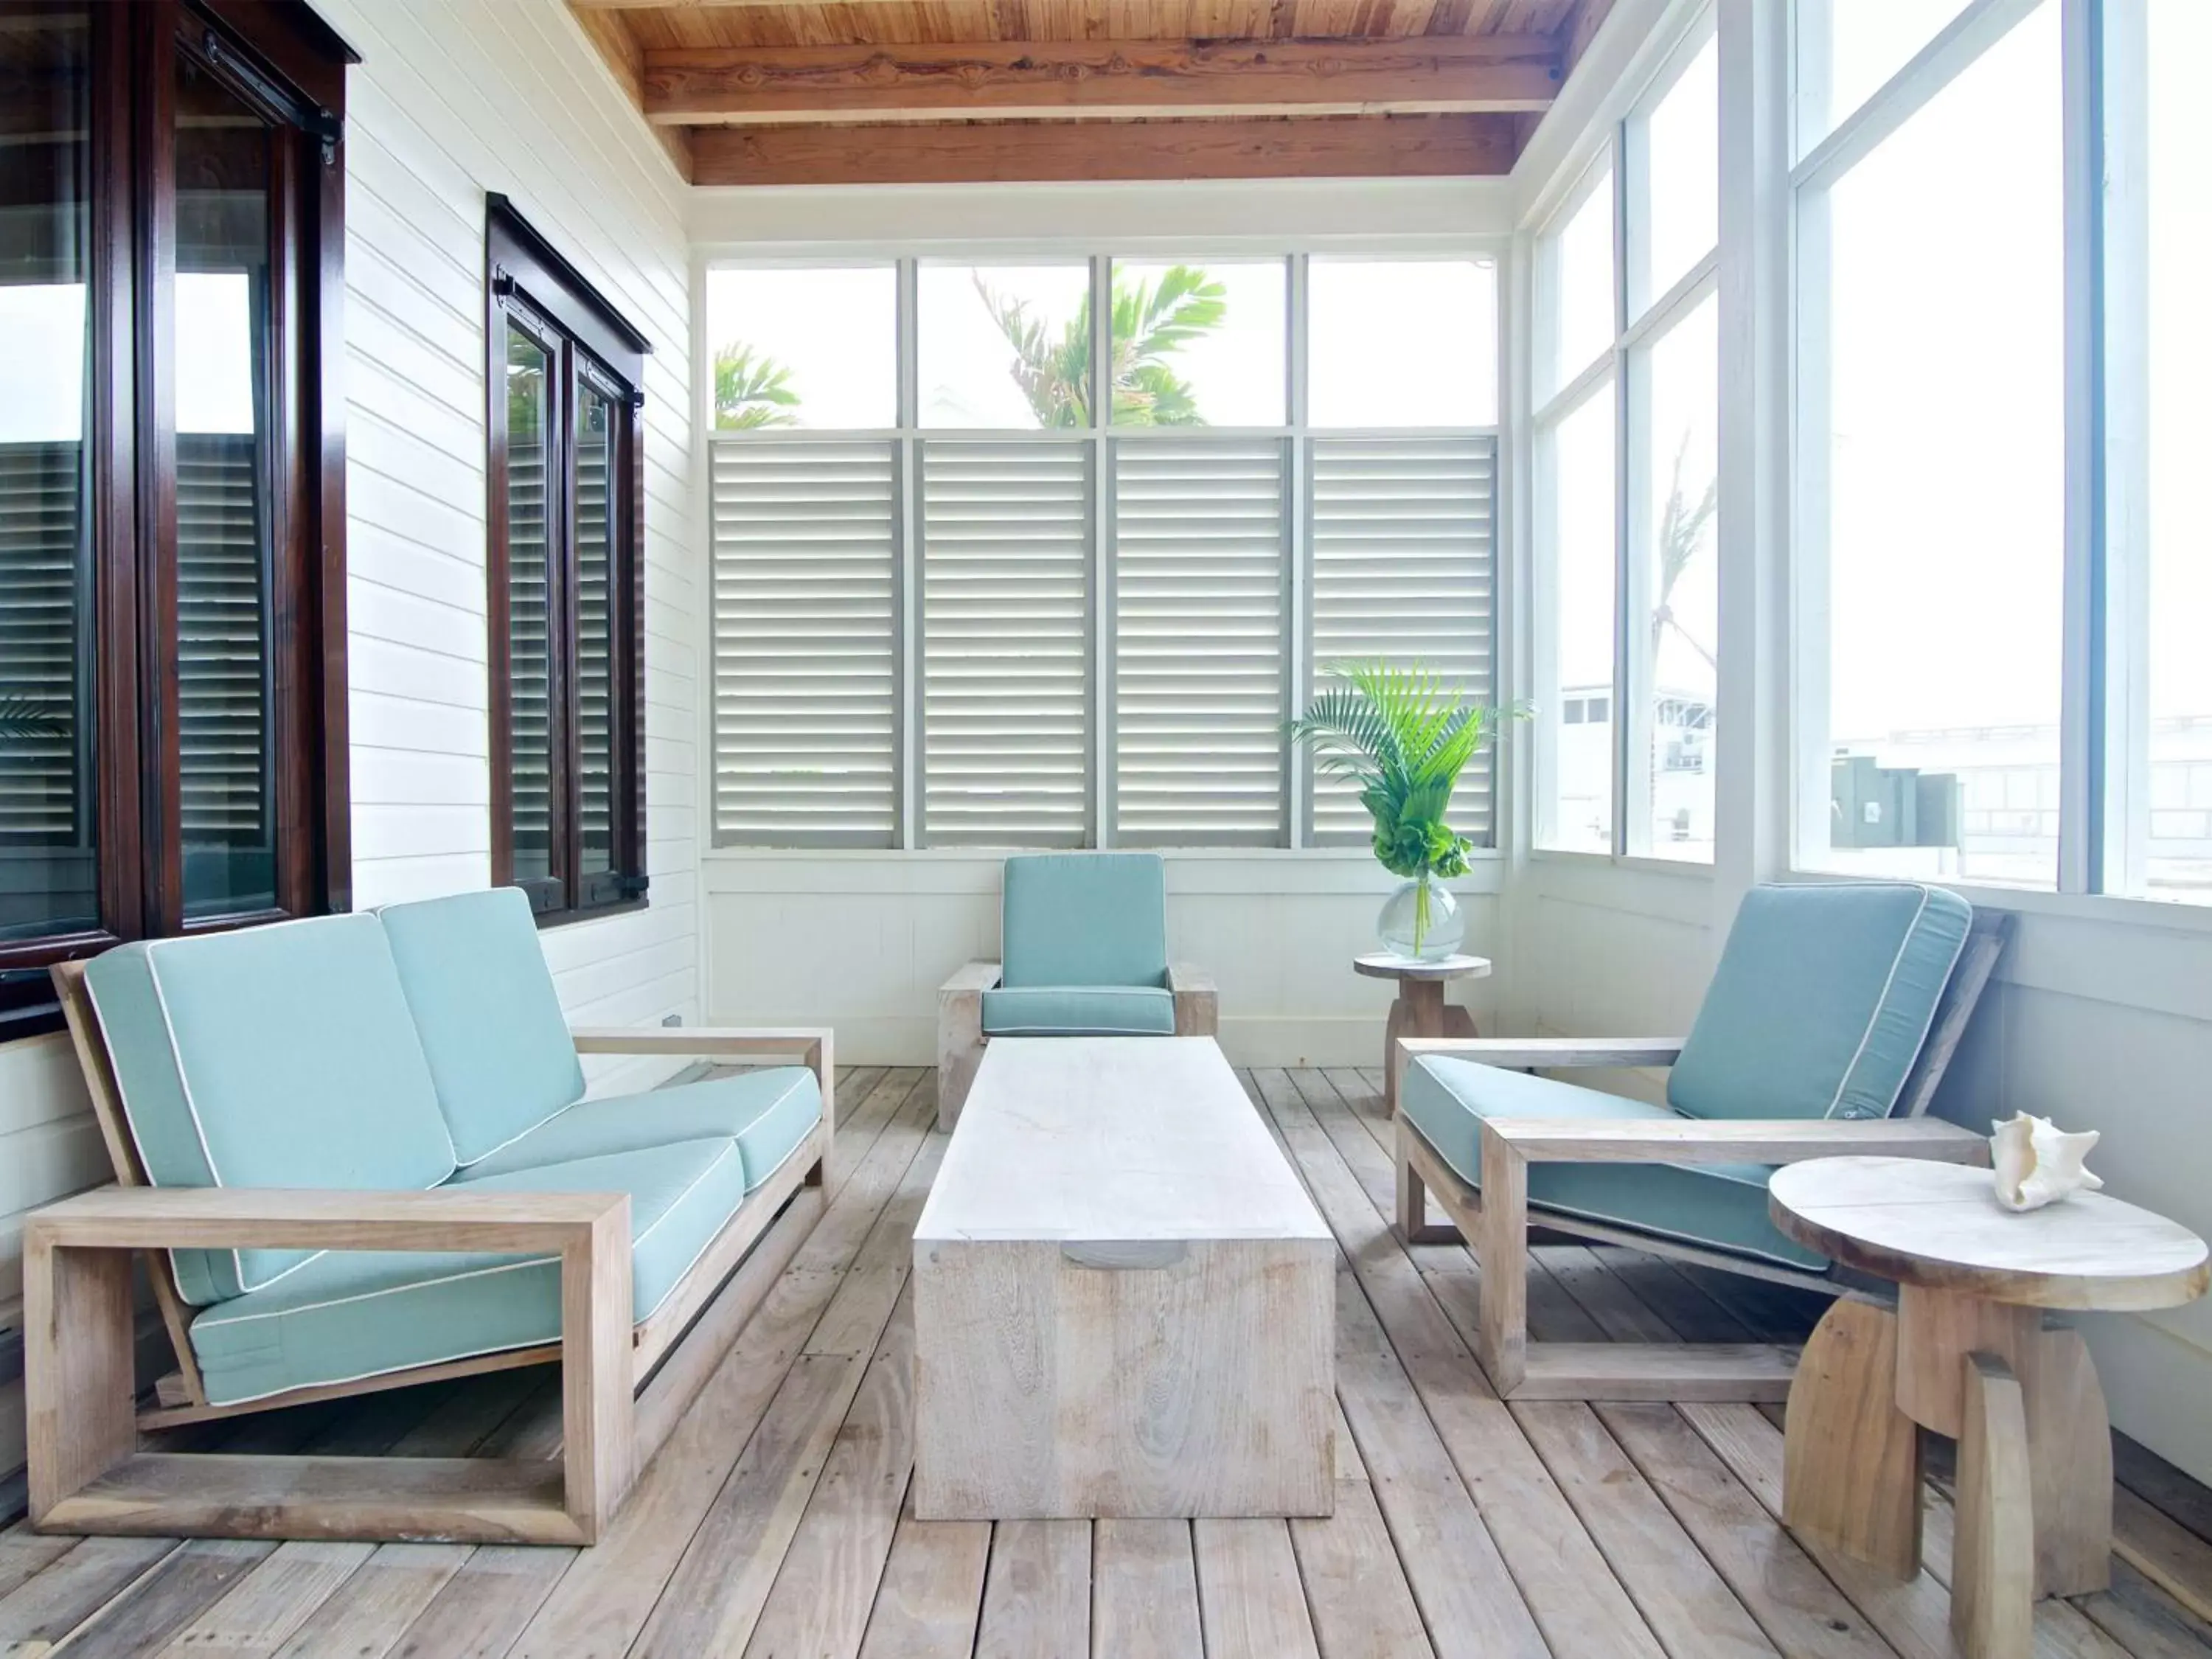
x: 2107, y: 1026
x: 861, y: 941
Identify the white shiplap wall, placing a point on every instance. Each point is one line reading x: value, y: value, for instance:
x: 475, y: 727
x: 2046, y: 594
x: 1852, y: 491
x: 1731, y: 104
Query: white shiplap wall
x: 455, y: 98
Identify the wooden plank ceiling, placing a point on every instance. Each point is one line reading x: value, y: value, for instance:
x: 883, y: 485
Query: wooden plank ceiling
x: 744, y: 92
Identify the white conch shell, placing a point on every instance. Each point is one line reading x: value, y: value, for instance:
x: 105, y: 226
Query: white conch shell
x: 2037, y: 1162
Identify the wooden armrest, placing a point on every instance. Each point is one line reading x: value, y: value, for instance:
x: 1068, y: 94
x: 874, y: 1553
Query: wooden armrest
x: 308, y: 1218
x: 1188, y: 979
x: 1708, y: 1140
x: 971, y: 976
x: 1516, y: 1054
x: 703, y: 1040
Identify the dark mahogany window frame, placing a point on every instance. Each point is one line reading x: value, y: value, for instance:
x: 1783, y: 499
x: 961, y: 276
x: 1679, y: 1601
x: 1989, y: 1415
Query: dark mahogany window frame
x: 281, y: 61
x: 530, y: 284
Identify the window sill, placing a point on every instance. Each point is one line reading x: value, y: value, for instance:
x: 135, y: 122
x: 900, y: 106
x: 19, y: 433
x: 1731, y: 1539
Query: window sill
x: 1264, y: 873
x: 1638, y: 863
x: 2110, y: 909
x: 548, y: 921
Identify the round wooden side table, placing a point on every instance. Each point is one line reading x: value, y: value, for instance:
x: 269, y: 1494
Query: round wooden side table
x: 1968, y: 1353
x: 1421, y: 1010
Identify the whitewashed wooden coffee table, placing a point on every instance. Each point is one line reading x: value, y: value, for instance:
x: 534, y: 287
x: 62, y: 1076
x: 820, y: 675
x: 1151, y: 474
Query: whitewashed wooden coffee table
x: 1124, y: 1301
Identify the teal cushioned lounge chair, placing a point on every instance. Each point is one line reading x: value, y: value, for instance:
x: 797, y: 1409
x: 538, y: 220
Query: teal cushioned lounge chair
x: 356, y: 1151
x: 1083, y: 952
x: 1829, y: 1021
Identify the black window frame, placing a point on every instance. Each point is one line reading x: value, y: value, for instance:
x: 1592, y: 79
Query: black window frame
x: 529, y: 286
x: 280, y: 60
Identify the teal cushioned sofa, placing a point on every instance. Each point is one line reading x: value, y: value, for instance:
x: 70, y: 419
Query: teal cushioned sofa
x: 351, y: 1071
x: 1083, y: 952
x: 1832, y: 1008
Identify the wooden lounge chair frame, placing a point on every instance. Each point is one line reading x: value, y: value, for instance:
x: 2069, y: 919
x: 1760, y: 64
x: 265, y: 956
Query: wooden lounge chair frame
x: 88, y: 1474
x: 1494, y: 1220
x: 961, y: 1042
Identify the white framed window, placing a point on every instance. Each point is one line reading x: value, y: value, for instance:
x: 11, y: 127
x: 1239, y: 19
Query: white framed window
x: 1999, y: 208
x: 2154, y: 828
x: 1930, y: 506
x: 1626, y: 367
x: 964, y: 596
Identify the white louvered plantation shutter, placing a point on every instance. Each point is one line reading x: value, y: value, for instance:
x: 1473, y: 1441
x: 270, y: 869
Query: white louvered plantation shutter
x: 594, y: 637
x: 1005, y: 643
x: 222, y: 727
x: 529, y: 645
x: 1199, y: 641
x: 1404, y: 569
x: 40, y: 634
x: 806, y: 643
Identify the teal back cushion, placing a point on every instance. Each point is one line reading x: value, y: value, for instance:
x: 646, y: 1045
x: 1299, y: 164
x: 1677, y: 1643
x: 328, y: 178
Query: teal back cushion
x: 1085, y: 918
x: 1822, y: 998
x: 278, y: 1056
x: 491, y: 1023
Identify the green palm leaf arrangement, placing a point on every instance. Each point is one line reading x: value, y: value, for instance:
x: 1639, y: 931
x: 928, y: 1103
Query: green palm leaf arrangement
x: 751, y: 390
x: 1150, y: 323
x: 1403, y: 735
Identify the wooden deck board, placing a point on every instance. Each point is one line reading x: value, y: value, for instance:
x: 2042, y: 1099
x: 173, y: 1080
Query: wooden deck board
x: 776, y: 1522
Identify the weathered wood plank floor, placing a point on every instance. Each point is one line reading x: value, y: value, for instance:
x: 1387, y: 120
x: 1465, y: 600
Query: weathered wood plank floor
x: 775, y: 1522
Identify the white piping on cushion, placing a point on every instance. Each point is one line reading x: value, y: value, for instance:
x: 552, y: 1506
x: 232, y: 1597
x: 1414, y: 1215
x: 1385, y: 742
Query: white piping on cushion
x: 473, y: 1163
x: 362, y: 1376
x: 199, y: 1133
x: 1078, y: 1030
x: 1935, y: 1006
x: 212, y: 1319
x: 184, y: 1083
x: 216, y: 1319
x: 460, y: 1162
x: 753, y: 1187
x: 1873, y: 1016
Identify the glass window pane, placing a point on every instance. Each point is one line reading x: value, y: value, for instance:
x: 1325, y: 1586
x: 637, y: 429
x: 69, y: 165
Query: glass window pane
x: 224, y: 544
x: 530, y: 753
x: 595, y: 739
x: 1846, y: 49
x: 1682, y: 214
x: 1942, y: 439
x: 2177, y: 844
x: 1576, y: 266
x: 1575, y: 559
x: 1005, y: 346
x: 1679, y: 403
x: 1202, y: 344
x: 48, y: 861
x: 814, y: 347
x: 1395, y: 342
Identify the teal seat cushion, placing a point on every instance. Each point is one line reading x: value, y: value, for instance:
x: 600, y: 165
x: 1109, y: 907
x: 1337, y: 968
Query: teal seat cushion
x: 767, y: 1113
x: 1820, y: 1002
x: 1721, y: 1205
x: 355, y: 1314
x: 1078, y: 1011
x: 279, y: 1056
x: 1083, y: 919
x: 491, y: 1023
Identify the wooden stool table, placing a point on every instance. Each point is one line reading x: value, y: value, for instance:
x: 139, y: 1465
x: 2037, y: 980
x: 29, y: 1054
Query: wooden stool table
x: 1421, y: 1010
x: 1968, y: 1353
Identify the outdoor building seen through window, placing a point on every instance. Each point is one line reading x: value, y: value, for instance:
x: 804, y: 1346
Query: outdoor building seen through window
x: 1054, y: 566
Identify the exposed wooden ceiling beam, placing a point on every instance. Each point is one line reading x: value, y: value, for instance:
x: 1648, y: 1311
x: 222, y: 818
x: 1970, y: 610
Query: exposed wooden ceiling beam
x: 1412, y: 146
x: 1010, y: 80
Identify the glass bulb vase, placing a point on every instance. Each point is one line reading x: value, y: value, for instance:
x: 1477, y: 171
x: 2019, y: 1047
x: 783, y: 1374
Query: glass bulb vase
x: 1421, y: 922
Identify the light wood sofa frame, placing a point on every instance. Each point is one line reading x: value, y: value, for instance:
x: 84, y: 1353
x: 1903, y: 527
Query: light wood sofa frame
x: 1494, y: 1220
x: 961, y: 1042
x: 624, y: 1384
